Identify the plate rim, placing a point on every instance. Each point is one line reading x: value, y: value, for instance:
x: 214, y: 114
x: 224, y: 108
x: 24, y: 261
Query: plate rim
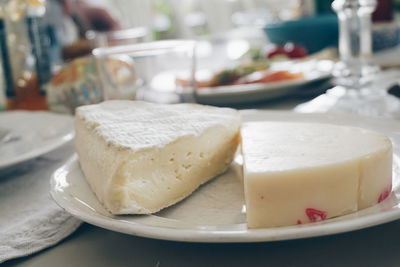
x: 254, y: 93
x: 222, y: 236
x: 258, y: 87
x: 59, y: 141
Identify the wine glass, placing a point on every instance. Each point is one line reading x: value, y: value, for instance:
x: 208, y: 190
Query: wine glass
x: 360, y: 85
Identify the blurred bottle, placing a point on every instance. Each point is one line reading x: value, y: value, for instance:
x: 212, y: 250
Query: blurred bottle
x: 28, y: 53
x: 40, y: 40
x: 6, y: 76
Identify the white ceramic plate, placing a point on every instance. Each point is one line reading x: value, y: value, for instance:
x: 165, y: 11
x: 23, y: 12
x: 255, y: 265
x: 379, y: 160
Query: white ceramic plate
x: 215, y: 212
x: 35, y: 134
x: 313, y: 70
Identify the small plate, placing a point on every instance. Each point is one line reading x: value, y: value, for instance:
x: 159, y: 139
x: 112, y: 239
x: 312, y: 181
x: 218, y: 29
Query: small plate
x: 33, y: 134
x: 216, y: 211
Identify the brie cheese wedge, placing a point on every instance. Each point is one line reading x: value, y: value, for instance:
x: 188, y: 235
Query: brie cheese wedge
x: 297, y: 173
x: 140, y: 157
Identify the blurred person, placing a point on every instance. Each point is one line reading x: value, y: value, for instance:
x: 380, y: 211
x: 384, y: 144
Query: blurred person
x: 79, y: 17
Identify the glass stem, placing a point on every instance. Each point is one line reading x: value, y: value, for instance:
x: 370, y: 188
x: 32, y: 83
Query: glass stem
x: 355, y: 41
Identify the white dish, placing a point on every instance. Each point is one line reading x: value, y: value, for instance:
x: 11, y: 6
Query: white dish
x: 35, y: 134
x: 313, y: 71
x: 215, y: 212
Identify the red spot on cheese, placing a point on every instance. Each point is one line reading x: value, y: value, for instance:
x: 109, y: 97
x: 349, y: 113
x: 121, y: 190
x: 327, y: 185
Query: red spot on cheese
x: 315, y: 215
x: 298, y: 222
x: 385, y: 194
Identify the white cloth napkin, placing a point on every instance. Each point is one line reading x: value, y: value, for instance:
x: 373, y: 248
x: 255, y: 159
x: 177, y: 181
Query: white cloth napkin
x: 29, y: 219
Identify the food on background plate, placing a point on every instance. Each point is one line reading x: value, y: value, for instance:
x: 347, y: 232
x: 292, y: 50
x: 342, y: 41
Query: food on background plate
x: 297, y: 173
x: 257, y: 66
x: 288, y: 51
x: 77, y: 83
x: 269, y: 76
x: 254, y: 72
x: 140, y: 157
x: 231, y: 75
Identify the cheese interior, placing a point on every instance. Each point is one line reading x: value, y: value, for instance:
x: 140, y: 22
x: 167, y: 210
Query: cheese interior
x: 140, y: 158
x: 300, y: 172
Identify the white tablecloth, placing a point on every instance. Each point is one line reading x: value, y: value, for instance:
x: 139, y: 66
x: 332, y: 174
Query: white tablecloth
x: 30, y: 220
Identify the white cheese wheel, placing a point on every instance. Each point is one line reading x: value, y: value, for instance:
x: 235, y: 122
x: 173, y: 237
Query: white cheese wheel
x: 305, y: 172
x: 141, y: 157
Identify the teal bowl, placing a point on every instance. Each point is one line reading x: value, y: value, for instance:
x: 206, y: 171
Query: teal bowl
x: 314, y: 33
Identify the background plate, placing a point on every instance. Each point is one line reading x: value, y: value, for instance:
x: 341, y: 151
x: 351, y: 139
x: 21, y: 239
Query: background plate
x: 35, y: 133
x: 256, y: 92
x: 314, y: 71
x: 215, y: 212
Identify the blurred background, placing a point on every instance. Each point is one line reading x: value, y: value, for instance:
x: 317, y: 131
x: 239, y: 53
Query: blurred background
x: 44, y: 43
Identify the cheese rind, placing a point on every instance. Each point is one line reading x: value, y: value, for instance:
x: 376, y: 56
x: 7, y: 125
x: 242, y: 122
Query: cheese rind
x: 140, y: 157
x: 304, y: 172
x: 376, y: 173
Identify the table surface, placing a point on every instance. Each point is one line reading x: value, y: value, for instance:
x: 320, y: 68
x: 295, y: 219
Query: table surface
x: 94, y: 246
